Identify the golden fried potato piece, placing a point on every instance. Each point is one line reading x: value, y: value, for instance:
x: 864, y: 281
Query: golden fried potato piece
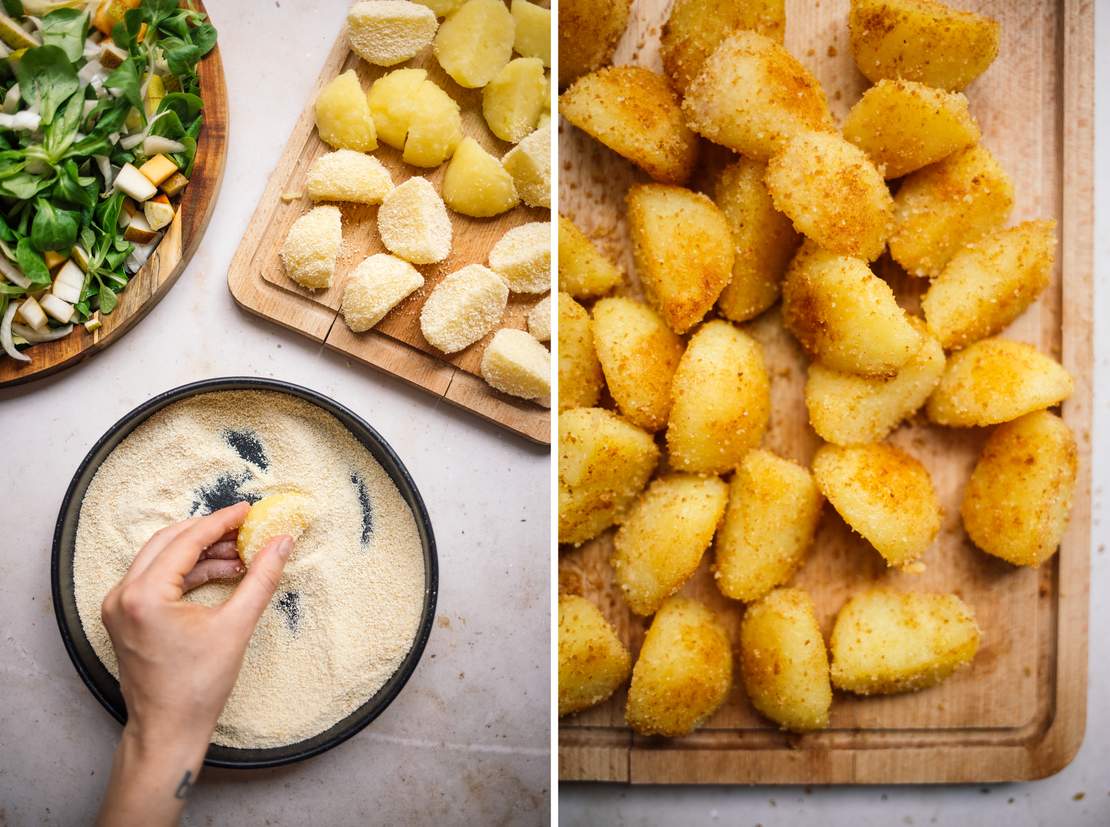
x: 885, y: 642
x: 921, y: 40
x: 752, y: 94
x: 990, y: 283
x: 632, y: 111
x: 904, y: 126
x: 883, y: 494
x: 683, y: 251
x: 783, y: 662
x: 996, y: 380
x: 580, y: 378
x: 764, y: 240
x: 947, y: 205
x: 638, y: 355
x: 773, y: 509
x: 584, y: 272
x: 1017, y: 503
x: 588, y: 35
x: 662, y: 539
x: 683, y: 673
x: 721, y: 400
x: 593, y: 662
x: 604, y: 463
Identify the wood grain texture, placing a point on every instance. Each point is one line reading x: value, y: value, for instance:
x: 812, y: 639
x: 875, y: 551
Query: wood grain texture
x: 173, y: 253
x: 1019, y: 711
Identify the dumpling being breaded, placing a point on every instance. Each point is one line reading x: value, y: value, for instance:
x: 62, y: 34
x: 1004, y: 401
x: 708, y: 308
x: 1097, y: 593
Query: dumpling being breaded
x: 312, y: 246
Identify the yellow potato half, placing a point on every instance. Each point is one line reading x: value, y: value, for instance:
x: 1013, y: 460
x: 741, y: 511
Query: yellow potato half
x: 514, y: 99
x: 475, y: 42
x: 343, y: 115
x: 580, y: 378
x: 284, y: 513
x: 593, y: 663
x: 476, y: 184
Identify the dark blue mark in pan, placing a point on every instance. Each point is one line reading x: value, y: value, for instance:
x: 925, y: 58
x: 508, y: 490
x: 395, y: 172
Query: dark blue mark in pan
x: 226, y: 490
x: 364, y: 501
x: 249, y: 447
x: 289, y: 604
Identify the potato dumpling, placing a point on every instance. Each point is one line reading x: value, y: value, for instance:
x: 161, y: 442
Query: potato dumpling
x: 588, y: 35
x: 529, y: 162
x: 783, y: 662
x: 312, y: 246
x: 663, y: 536
x: 583, y: 271
x: 475, y: 41
x: 683, y: 673
x: 721, y: 400
x: 638, y: 354
x: 683, y: 251
x: 523, y: 257
x: 990, y: 283
x: 463, y: 308
x: 593, y: 662
x: 284, y: 513
x: 413, y: 114
x: 539, y: 319
x: 343, y: 115
x: 773, y: 509
x: 946, y: 205
x: 513, y: 100
x: 921, y: 40
x: 752, y: 94
x: 580, y: 379
x: 375, y: 287
x: 632, y: 111
x: 885, y: 642
x: 1017, y: 503
x: 883, y: 494
x: 388, y: 32
x: 604, y: 463
x: 413, y: 222
x: 346, y: 175
x: 475, y: 182
x: 845, y: 316
x: 832, y: 192
x: 996, y: 380
x: 515, y: 363
x: 533, y: 30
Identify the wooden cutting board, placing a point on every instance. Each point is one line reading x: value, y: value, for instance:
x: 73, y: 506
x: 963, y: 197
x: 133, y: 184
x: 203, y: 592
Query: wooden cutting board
x: 258, y: 281
x: 161, y: 270
x: 1019, y: 711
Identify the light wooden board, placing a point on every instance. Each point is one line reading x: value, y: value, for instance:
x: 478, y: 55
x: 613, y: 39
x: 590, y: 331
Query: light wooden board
x: 259, y: 283
x: 1019, y: 711
x: 161, y: 270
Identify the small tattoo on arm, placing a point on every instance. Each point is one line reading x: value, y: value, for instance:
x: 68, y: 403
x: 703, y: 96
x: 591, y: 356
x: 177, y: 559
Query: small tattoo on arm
x: 186, y: 785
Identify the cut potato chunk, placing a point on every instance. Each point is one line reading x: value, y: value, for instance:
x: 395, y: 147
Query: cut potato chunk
x: 593, y: 663
x: 529, y: 162
x: 588, y: 35
x: 539, y: 319
x: 413, y: 222
x: 523, y: 257
x: 442, y: 8
x: 583, y: 271
x: 413, y: 114
x: 463, y: 308
x: 388, y: 32
x: 533, y: 30
x: 515, y: 363
x: 284, y: 513
x: 375, y: 287
x: 312, y: 246
x: 476, y: 184
x: 343, y: 115
x: 513, y: 100
x: 580, y: 379
x: 475, y: 42
x: 346, y: 175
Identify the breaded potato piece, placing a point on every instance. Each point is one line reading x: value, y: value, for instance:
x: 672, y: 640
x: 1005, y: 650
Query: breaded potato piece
x: 286, y: 512
x: 1017, y: 502
x: 683, y: 673
x: 463, y: 308
x: 783, y: 662
x: 475, y: 41
x: 947, y: 205
x: 532, y: 37
x: 632, y: 111
x: 662, y: 538
x: 638, y: 355
x: 752, y: 94
x: 413, y: 114
x: 529, y: 162
x: 773, y: 509
x: 997, y: 380
x: 764, y: 240
x: 388, y: 32
x: 588, y: 35
x: 377, y: 285
x: 476, y: 184
x: 584, y: 272
x: 513, y: 101
x: 413, y: 222
x: 539, y: 319
x: 696, y: 28
x: 515, y: 363
x: 832, y: 192
x: 523, y: 257
x: 593, y: 663
x: 845, y: 316
x: 312, y: 246
x: 990, y: 283
x: 846, y: 409
x: 343, y: 117
x: 604, y: 463
x: 683, y: 251
x: 885, y: 642
x: 346, y: 175
x: 442, y: 8
x: 883, y: 494
x: 921, y: 40
x: 721, y: 400
x: 580, y: 379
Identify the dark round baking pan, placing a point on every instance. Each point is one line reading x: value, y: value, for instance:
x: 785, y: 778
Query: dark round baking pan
x: 106, y: 688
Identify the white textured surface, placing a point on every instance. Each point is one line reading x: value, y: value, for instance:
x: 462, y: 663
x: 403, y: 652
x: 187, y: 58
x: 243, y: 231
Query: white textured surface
x: 467, y: 740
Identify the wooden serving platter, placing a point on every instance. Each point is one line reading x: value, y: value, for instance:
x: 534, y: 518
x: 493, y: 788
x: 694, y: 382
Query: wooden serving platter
x: 162, y: 269
x: 1019, y: 711
x: 259, y: 284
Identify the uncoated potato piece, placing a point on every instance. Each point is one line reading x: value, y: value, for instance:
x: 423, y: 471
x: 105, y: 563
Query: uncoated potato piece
x: 832, y: 192
x: 683, y: 251
x: 990, y: 283
x: 533, y: 30
x: 632, y: 111
x: 1017, y: 502
x: 580, y: 378
x: 475, y: 41
x: 475, y: 182
x: 721, y: 400
x: 921, y: 40
x: 604, y: 463
x: 946, y: 205
x: 883, y: 494
x: 885, y: 642
x: 996, y: 380
x: 583, y: 271
x: 783, y: 662
x: 513, y: 100
x: 588, y: 35
x: 845, y: 316
x: 773, y: 509
x: 683, y: 673
x: 343, y: 115
x: 412, y: 113
x: 763, y: 240
x: 661, y: 540
x: 752, y: 94
x: 593, y: 662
